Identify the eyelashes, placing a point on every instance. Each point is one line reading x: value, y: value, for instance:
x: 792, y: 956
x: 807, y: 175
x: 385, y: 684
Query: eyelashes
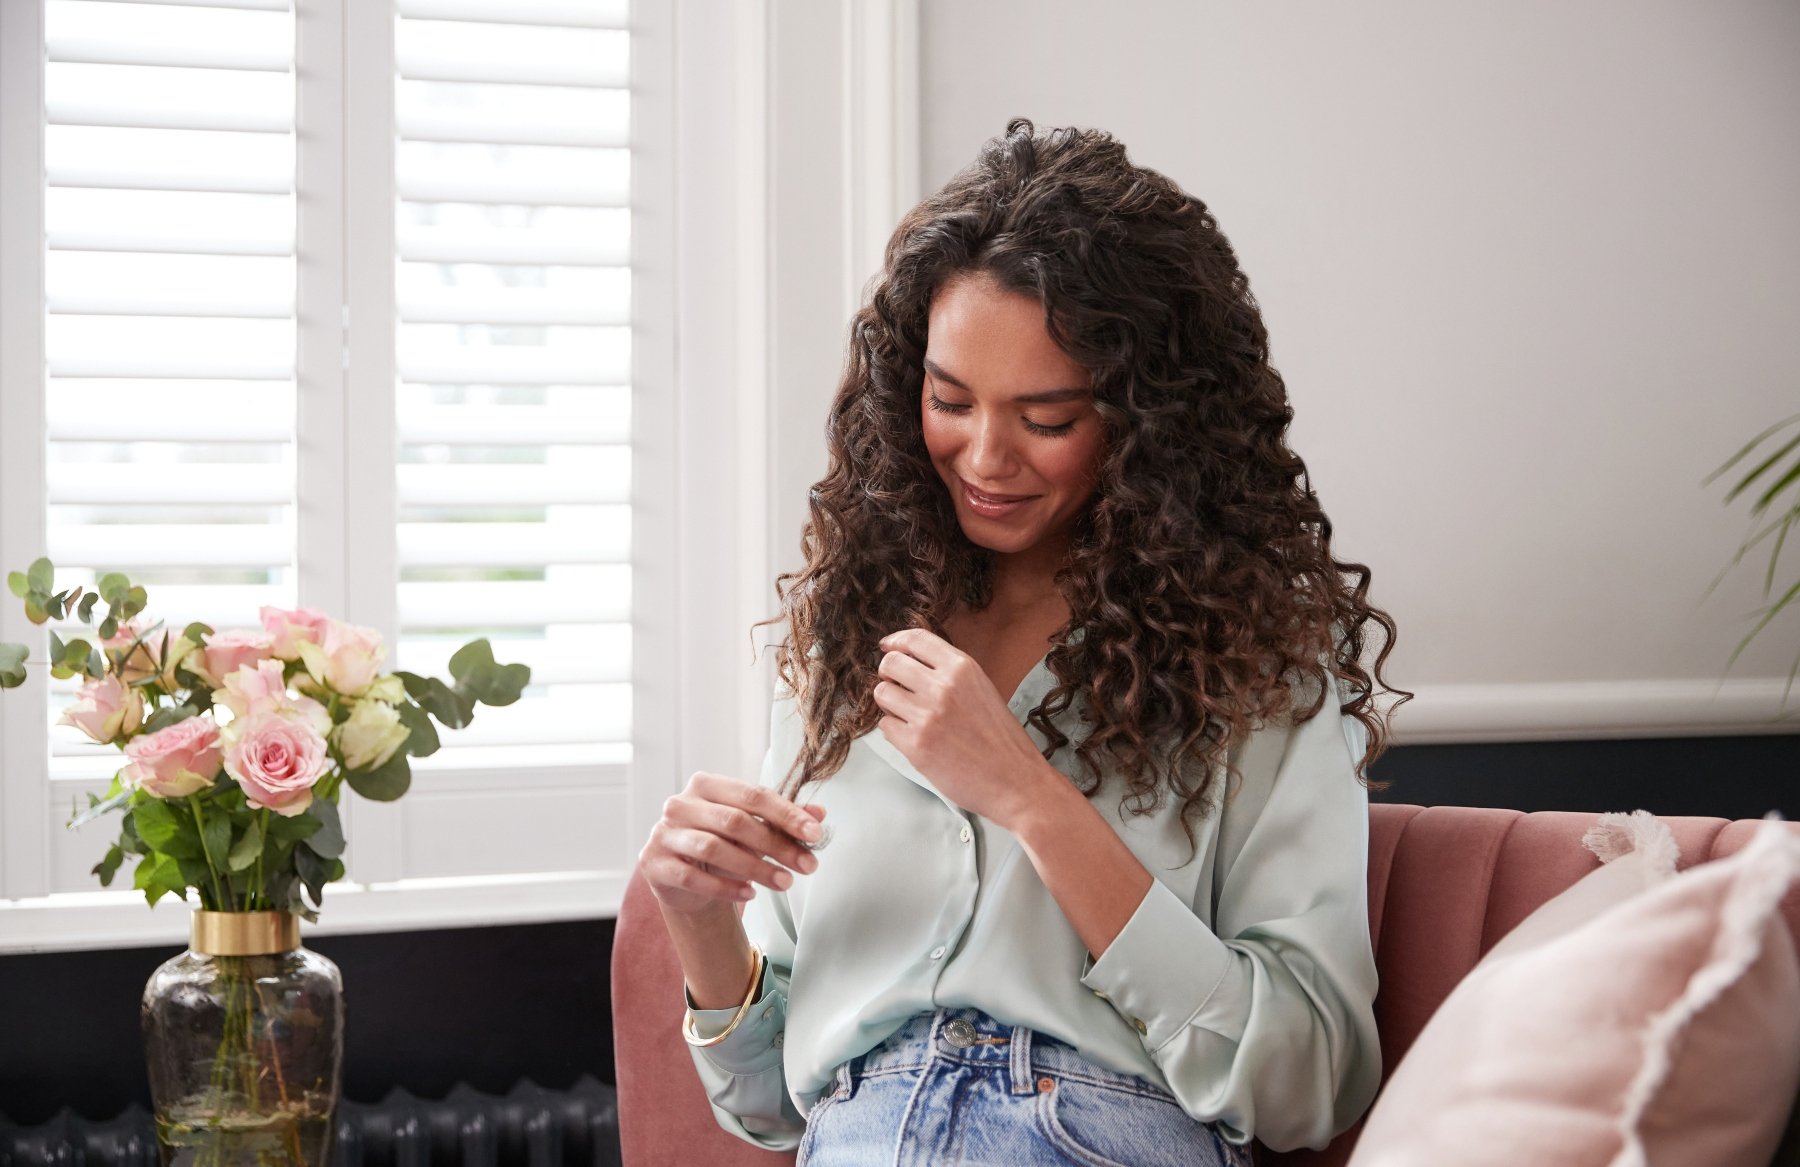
x: 1049, y: 431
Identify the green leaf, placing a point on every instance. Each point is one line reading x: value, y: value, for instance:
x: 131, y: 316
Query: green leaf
x: 1751, y: 445
x: 54, y: 606
x: 128, y: 835
x: 35, y: 613
x: 166, y: 829
x: 386, y: 782
x: 313, y: 873
x: 157, y: 876
x: 497, y: 685
x: 215, y: 835
x: 328, y: 841
x: 424, y: 740
x: 41, y: 574
x: 17, y: 584
x: 109, y: 627
x: 57, y: 648
x: 135, y: 600
x: 1781, y: 484
x: 292, y: 828
x: 169, y: 715
x: 476, y: 654
x: 98, y: 806
x: 450, y: 707
x: 247, y: 848
x: 12, y: 665
x: 109, y: 866
x: 86, y: 611
x: 196, y: 632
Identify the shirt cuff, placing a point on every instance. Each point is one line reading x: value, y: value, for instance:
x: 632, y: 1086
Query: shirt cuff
x: 755, y: 1045
x: 1164, y: 969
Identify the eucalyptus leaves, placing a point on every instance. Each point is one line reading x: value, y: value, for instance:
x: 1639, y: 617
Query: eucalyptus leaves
x: 238, y: 742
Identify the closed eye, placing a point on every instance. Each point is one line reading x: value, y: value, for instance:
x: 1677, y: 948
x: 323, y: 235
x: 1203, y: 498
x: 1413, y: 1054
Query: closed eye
x: 1049, y: 431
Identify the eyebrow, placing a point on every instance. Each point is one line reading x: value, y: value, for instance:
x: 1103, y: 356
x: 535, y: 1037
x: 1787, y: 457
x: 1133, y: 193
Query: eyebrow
x: 1046, y: 397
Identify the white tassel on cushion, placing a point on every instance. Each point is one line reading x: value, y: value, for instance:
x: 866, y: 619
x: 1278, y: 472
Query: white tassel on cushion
x: 1618, y: 834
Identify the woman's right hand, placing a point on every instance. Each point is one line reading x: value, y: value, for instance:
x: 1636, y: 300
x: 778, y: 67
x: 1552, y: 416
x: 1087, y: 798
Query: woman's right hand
x: 720, y: 835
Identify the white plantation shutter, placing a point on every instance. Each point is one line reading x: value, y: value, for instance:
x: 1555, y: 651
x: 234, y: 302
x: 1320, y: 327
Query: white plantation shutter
x: 217, y: 331
x: 169, y: 330
x: 513, y: 301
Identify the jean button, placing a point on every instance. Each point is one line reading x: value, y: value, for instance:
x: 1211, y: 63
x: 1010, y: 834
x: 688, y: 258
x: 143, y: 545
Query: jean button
x: 960, y: 1034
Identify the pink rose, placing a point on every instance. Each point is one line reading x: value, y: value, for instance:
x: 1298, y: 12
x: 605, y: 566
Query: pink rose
x: 289, y: 630
x: 227, y: 652
x: 256, y: 689
x: 176, y: 761
x: 105, y: 708
x: 276, y: 757
x: 347, y: 659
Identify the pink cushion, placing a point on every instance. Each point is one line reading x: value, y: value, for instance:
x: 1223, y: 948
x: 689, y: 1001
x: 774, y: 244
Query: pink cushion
x: 1638, y: 1017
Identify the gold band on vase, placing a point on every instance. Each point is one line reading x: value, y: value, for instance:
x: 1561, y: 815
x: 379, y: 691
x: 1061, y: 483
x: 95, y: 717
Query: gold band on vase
x: 244, y: 933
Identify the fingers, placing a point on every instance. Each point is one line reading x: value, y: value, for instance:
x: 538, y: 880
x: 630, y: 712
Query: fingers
x: 664, y: 870
x: 906, y: 671
x: 724, y: 858
x: 752, y: 820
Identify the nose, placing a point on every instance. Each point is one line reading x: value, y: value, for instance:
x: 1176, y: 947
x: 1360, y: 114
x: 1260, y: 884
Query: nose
x: 990, y: 452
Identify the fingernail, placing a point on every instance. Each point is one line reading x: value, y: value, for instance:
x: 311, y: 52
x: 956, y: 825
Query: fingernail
x: 808, y: 864
x: 783, y: 879
x: 810, y: 831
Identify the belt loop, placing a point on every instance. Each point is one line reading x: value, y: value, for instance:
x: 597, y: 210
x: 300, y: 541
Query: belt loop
x: 1023, y: 1081
x: 846, y: 1076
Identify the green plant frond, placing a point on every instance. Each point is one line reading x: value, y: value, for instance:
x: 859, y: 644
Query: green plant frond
x: 1775, y: 555
x: 1782, y: 483
x: 1768, y: 614
x: 1754, y: 442
x: 1762, y: 468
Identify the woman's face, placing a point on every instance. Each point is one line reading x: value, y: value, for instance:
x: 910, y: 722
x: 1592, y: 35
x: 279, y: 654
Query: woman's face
x: 1009, y: 418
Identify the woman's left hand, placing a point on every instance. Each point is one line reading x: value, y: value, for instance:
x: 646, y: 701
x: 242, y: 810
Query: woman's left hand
x: 945, y: 715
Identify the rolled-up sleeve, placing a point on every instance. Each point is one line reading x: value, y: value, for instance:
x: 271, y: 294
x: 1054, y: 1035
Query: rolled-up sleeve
x: 1264, y: 1021
x: 744, y: 1075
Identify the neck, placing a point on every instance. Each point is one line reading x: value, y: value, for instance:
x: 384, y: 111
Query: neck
x: 1025, y: 580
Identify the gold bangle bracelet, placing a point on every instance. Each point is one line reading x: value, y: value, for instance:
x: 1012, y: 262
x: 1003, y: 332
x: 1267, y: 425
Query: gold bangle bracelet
x: 757, y: 964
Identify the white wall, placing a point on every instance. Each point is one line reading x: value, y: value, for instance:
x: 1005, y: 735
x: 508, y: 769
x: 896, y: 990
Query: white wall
x: 1531, y: 271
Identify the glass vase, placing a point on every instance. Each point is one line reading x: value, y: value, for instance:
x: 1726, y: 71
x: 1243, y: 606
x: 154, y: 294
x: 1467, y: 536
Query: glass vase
x: 244, y: 1035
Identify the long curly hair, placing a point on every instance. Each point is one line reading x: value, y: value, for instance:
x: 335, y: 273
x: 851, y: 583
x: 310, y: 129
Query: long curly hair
x: 1200, y: 579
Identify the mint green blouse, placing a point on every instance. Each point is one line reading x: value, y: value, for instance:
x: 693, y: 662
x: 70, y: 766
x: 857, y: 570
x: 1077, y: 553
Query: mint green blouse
x: 1243, y: 983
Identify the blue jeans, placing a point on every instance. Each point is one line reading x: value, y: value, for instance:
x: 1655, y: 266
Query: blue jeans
x: 958, y: 1087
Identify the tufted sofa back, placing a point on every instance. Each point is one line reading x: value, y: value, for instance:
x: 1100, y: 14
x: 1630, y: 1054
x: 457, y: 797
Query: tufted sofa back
x: 1444, y: 884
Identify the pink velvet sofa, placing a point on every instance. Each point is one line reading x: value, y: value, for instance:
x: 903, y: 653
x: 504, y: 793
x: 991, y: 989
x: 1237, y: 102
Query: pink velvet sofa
x: 1444, y: 884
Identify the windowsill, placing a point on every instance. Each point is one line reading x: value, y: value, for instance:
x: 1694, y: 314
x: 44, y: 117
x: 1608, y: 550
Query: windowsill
x: 120, y: 919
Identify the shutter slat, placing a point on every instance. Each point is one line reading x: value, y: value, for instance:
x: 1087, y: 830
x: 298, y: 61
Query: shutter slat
x: 525, y: 366
x: 516, y: 544
x: 513, y: 307
x: 146, y: 244
x: 224, y: 308
x: 242, y: 5
x: 110, y: 483
x: 448, y: 188
x: 423, y: 127
x: 608, y: 481
x: 64, y: 112
x: 475, y: 425
x: 515, y: 603
x: 174, y: 545
x: 98, y: 178
x: 562, y: 13
x: 576, y: 655
x: 92, y: 51
x: 439, y: 245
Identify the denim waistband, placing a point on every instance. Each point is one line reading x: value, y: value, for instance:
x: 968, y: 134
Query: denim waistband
x: 973, y: 1036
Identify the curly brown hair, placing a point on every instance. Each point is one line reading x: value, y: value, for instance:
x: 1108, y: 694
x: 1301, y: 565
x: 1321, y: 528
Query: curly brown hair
x: 1200, y: 580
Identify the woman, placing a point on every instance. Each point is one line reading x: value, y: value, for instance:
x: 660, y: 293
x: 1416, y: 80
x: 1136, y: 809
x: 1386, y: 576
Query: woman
x: 1120, y: 917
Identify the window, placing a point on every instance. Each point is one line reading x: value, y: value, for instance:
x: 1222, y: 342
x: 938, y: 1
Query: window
x: 332, y: 303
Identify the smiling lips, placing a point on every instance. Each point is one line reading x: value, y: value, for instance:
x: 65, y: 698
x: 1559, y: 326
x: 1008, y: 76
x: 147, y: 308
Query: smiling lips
x: 993, y: 505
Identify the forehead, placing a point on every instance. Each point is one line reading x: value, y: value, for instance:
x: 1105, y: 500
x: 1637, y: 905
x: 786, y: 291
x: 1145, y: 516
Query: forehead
x: 994, y: 340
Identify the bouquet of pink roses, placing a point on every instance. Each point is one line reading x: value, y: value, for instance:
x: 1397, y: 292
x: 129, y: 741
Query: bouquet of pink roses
x: 238, y: 742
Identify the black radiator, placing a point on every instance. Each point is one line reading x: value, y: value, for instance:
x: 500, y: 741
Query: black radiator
x: 529, y: 1127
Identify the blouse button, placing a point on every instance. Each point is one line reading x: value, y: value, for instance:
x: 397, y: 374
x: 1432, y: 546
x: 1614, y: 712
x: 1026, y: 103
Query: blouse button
x: 1141, y: 1027
x: 937, y: 953
x: 965, y: 834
